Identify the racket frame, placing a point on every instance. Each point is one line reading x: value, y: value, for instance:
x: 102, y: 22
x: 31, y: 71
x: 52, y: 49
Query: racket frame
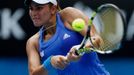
x: 81, y: 50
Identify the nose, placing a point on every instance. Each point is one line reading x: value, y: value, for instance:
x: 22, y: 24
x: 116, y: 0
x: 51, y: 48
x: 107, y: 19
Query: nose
x: 33, y: 12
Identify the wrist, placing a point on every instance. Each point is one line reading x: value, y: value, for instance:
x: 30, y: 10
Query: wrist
x: 48, y: 66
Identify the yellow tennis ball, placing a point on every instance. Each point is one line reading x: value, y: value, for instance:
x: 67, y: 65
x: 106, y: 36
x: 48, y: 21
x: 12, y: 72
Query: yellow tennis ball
x: 78, y: 24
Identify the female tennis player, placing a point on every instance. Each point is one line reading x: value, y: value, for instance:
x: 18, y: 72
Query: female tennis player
x: 47, y: 49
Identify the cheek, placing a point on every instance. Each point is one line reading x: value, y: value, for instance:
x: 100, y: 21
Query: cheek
x: 45, y: 17
x: 30, y: 14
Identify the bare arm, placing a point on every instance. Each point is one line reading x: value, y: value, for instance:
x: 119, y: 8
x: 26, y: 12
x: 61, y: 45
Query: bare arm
x: 35, y: 67
x: 69, y: 14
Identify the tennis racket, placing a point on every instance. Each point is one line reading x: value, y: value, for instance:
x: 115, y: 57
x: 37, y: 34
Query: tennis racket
x: 110, y: 29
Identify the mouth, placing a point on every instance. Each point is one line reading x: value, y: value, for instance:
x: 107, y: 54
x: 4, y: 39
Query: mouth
x: 35, y: 19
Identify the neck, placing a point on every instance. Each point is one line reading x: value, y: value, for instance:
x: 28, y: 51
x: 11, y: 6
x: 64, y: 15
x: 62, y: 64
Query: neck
x: 49, y: 32
x: 52, y: 21
x: 50, y: 28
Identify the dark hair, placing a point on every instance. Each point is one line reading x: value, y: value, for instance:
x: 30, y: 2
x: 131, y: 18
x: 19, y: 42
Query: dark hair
x: 27, y: 2
x: 50, y: 4
x: 58, y: 4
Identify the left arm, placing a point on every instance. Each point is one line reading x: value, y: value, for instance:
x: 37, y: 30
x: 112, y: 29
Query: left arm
x: 68, y: 15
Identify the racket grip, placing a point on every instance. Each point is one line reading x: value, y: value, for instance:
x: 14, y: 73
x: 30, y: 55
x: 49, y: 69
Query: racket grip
x: 82, y: 51
x: 79, y: 52
x: 76, y: 52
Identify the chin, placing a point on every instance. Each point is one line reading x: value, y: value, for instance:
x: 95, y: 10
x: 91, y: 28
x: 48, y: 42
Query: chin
x: 37, y: 25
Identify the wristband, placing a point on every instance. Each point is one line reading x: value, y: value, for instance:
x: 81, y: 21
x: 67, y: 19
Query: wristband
x: 47, y: 65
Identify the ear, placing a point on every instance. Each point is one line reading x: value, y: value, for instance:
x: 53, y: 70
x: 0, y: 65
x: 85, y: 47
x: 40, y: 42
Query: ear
x: 53, y: 9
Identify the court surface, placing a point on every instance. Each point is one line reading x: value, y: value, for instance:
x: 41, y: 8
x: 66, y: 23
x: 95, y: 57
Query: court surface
x: 18, y: 66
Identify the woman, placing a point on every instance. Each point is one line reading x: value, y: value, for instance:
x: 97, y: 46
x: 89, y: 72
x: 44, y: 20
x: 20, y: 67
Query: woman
x: 47, y: 49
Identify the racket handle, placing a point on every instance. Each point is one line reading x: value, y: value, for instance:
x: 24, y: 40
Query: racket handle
x: 79, y: 52
x: 76, y: 52
x: 82, y: 51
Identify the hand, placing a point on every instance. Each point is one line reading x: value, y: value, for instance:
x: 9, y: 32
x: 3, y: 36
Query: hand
x: 71, y: 56
x: 59, y: 62
x: 97, y: 41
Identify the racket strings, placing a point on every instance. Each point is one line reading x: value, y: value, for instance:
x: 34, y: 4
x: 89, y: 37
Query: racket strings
x: 106, y: 46
x: 106, y: 11
x: 110, y: 30
x: 109, y: 44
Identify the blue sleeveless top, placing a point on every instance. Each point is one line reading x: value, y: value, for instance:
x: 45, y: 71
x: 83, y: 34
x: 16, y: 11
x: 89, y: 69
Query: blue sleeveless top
x: 60, y: 44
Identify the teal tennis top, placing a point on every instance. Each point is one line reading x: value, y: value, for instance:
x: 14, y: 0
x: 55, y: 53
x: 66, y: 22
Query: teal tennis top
x: 60, y: 44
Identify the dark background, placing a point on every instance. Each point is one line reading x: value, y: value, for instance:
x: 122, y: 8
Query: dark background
x: 14, y: 47
x: 13, y: 58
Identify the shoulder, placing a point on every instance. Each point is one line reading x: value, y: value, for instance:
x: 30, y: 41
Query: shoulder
x: 72, y: 12
x: 69, y: 14
x: 32, y: 42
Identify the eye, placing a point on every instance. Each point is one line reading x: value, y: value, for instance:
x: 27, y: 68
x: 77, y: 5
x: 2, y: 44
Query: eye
x: 39, y: 7
x: 36, y: 8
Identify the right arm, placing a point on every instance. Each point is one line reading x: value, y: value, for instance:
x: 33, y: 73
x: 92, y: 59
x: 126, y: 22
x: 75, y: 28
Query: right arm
x: 35, y: 67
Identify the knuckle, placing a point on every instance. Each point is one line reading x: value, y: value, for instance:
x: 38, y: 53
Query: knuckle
x: 58, y: 61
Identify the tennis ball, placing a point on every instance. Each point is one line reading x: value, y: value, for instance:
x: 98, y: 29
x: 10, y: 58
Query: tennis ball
x: 78, y: 24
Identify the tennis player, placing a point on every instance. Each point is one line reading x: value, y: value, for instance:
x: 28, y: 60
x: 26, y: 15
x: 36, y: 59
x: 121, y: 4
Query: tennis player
x: 47, y: 49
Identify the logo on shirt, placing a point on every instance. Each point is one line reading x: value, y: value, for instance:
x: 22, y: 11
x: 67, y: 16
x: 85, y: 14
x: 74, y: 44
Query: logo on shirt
x: 66, y: 36
x: 42, y: 53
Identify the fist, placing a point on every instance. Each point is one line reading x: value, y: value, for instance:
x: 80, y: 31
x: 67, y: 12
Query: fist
x: 59, y: 62
x: 97, y: 42
x: 71, y: 56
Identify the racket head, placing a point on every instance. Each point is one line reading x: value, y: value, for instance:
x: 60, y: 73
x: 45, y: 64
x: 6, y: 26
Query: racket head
x: 110, y: 28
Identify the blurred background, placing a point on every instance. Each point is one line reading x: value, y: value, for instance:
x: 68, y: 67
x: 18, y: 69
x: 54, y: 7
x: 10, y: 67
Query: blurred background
x: 16, y: 27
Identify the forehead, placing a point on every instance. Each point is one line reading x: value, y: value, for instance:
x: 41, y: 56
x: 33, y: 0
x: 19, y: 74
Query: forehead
x: 36, y: 4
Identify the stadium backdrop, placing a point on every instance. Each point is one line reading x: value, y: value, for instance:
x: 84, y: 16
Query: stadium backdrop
x: 16, y: 26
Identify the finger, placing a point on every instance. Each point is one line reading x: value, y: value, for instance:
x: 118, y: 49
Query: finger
x: 75, y: 56
x: 62, y: 62
x: 95, y: 41
x: 88, y: 44
x: 72, y: 51
x: 72, y: 57
x: 66, y: 61
x: 60, y: 65
x: 56, y: 62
